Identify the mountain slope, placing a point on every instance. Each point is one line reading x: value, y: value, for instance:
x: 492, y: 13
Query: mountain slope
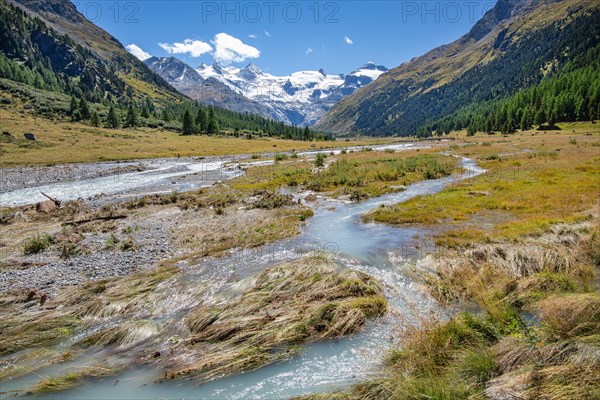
x: 515, y: 45
x: 57, y: 65
x: 207, y: 91
x: 52, y: 36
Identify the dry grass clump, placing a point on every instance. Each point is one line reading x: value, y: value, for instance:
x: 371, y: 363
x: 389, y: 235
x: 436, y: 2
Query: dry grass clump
x: 513, y: 273
x: 308, y: 300
x: 123, y: 336
x: 568, y: 369
x: 571, y: 315
x: 107, y: 298
x: 73, y: 379
x: 29, y: 320
x: 40, y: 328
x: 433, y: 347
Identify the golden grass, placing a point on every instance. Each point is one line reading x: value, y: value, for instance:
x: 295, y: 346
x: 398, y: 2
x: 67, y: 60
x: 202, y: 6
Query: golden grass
x: 66, y: 142
x: 25, y: 330
x: 571, y: 315
x: 307, y: 300
x: 554, y: 181
x: 73, y: 379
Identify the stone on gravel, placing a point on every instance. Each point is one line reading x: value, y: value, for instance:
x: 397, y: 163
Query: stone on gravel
x: 45, y: 207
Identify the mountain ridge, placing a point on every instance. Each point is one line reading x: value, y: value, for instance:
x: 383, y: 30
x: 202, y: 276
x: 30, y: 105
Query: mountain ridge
x: 381, y: 108
x: 63, y: 18
x: 300, y: 98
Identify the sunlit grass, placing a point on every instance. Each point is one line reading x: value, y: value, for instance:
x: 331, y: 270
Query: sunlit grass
x: 553, y: 181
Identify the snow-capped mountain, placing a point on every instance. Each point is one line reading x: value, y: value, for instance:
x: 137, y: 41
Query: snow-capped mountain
x: 301, y: 98
x: 207, y: 90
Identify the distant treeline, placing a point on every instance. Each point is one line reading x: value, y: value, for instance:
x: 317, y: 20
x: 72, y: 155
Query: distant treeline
x: 573, y: 95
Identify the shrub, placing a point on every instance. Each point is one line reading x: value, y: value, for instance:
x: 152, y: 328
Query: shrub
x: 320, y: 160
x: 37, y: 244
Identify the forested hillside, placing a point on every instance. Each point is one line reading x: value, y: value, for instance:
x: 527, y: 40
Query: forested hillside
x: 518, y: 55
x: 572, y: 95
x: 55, y: 75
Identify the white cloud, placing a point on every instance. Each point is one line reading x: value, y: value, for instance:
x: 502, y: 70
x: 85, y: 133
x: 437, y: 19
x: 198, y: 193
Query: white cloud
x: 267, y: 34
x: 229, y: 49
x: 136, y: 51
x: 253, y: 36
x: 195, y: 48
x: 309, y: 50
x: 348, y: 41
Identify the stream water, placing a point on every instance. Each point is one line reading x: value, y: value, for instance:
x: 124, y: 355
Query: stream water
x: 379, y: 250
x: 159, y: 176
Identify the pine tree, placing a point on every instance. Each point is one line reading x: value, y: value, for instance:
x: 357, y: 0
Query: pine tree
x: 470, y: 130
x: 95, y: 118
x: 166, y: 116
x: 132, y: 119
x: 213, y: 126
x: 74, y: 107
x: 187, y: 123
x: 145, y: 113
x: 112, y: 119
x: 201, y: 120
x: 539, y: 118
x: 84, y: 109
x: 524, y: 122
x: 306, y: 134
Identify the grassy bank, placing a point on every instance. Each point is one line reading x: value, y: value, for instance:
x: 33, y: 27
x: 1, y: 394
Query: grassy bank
x: 534, y: 180
x: 521, y: 246
x: 356, y: 175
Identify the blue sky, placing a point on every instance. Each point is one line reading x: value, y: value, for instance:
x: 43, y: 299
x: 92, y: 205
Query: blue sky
x: 286, y: 36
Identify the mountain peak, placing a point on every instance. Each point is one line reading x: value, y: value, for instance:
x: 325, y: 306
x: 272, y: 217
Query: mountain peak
x: 373, y: 67
x: 217, y: 68
x: 250, y: 71
x: 502, y: 10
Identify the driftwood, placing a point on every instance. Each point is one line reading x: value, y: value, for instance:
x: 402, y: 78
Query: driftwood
x: 55, y: 201
x: 85, y: 221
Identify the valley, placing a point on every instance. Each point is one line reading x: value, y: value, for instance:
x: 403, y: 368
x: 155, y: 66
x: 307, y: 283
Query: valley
x: 192, y: 238
x: 178, y: 222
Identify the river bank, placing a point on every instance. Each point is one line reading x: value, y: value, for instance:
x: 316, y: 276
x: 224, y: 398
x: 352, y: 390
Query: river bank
x: 224, y: 273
